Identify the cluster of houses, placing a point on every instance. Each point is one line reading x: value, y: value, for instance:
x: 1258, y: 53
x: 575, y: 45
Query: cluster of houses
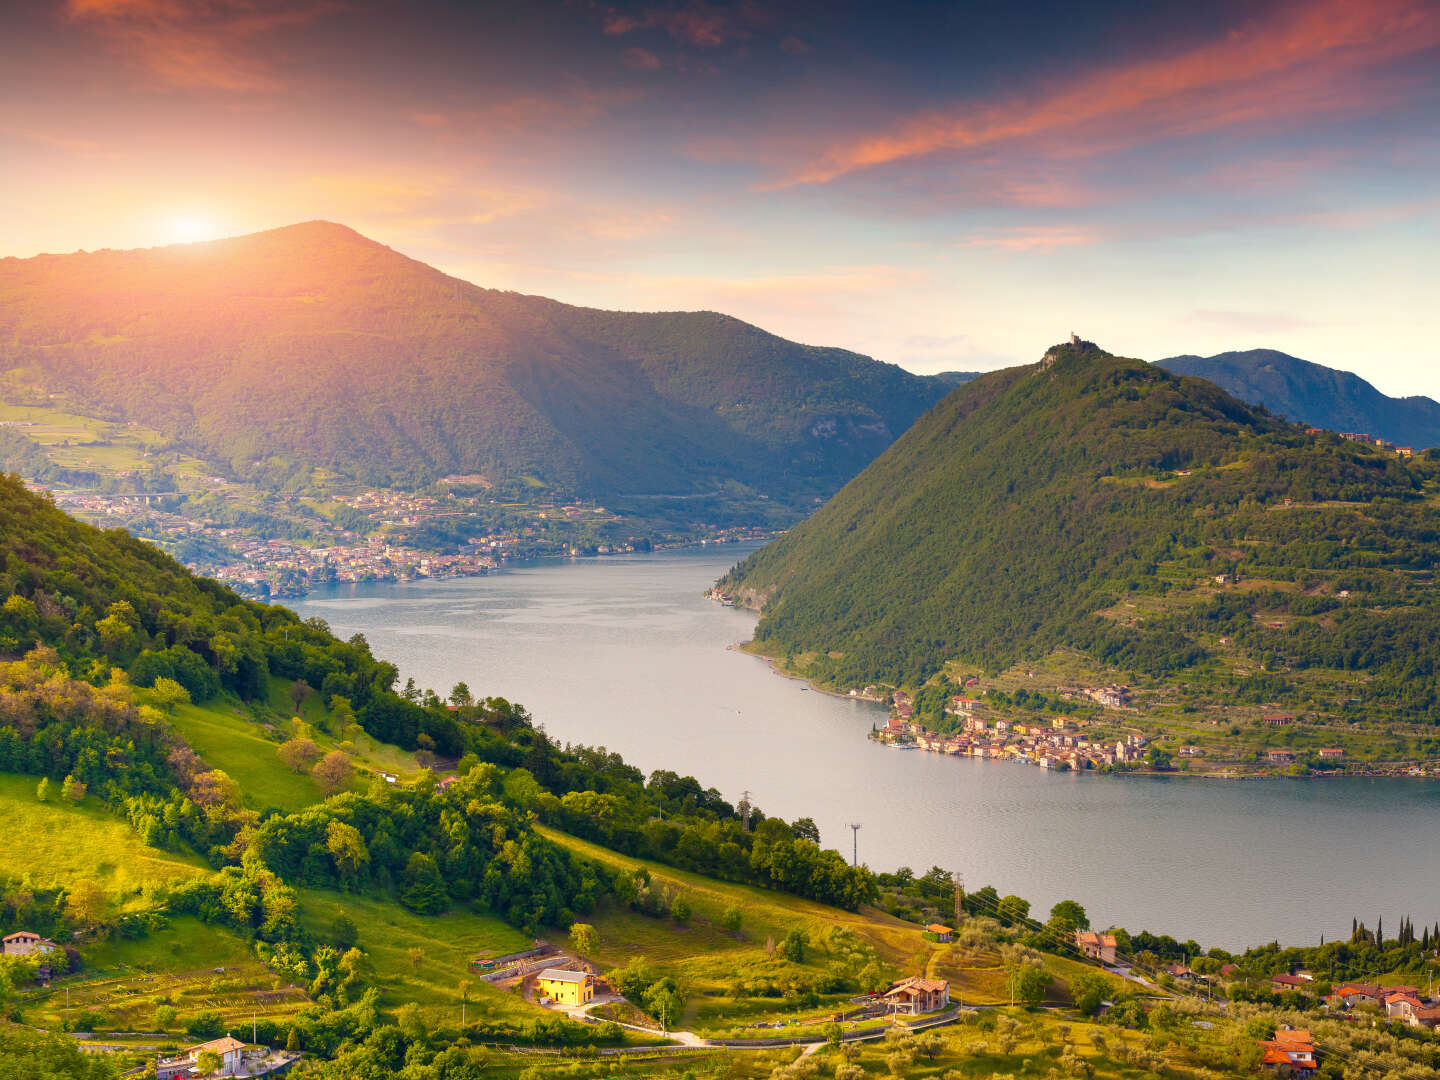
x: 1368, y: 440
x: 1402, y: 1003
x: 1052, y: 745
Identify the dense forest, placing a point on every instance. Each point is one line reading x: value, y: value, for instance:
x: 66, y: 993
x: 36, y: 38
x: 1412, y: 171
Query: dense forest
x: 1034, y: 499
x: 311, y: 346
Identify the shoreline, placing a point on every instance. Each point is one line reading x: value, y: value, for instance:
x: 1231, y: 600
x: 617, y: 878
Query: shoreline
x: 1189, y: 774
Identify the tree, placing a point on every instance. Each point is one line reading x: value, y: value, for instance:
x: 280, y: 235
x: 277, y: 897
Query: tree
x: 460, y: 695
x: 299, y: 691
x: 165, y: 1016
x: 415, y: 956
x: 167, y: 693
x: 215, y: 788
x: 1157, y: 759
x: 793, y: 947
x: 86, y: 904
x: 298, y: 754
x: 1031, y: 983
x: 805, y: 829
x: 1089, y: 990
x: 1013, y: 909
x: 731, y: 919
x: 73, y: 789
x: 42, y: 789
x: 347, y: 848
x: 424, y: 890
x: 292, y: 1040
x: 680, y: 909
x: 583, y: 938
x: 208, y: 1062
x: 1068, y: 916
x: 663, y: 1001
x: 343, y: 932
x: 333, y: 772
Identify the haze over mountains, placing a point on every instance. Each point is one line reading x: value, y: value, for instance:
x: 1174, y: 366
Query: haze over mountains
x: 1314, y: 394
x: 312, y: 346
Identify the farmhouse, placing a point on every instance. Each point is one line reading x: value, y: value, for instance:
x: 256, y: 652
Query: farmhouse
x: 917, y: 995
x: 230, y: 1052
x: 942, y: 934
x: 567, y: 987
x: 1096, y: 946
x: 24, y: 943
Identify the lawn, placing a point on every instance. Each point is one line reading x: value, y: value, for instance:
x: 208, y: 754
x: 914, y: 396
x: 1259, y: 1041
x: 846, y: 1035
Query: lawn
x: 64, y: 842
x: 446, y: 945
x: 233, y: 739
x: 228, y: 739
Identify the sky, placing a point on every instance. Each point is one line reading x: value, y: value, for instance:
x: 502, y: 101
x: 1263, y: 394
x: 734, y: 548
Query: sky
x: 943, y: 186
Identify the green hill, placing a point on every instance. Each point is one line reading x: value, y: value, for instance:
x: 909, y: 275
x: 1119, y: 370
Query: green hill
x: 311, y: 346
x: 1014, y: 517
x: 1314, y: 394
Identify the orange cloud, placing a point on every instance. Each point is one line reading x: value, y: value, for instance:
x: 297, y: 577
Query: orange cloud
x: 206, y: 44
x: 1034, y: 237
x: 1295, y: 63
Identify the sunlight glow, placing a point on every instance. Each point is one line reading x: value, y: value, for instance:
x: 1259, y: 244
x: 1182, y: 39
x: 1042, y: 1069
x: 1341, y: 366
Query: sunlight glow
x: 191, y: 229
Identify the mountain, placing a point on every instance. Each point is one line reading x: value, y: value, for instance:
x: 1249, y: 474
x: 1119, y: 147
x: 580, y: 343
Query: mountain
x: 1313, y: 394
x: 1012, y: 518
x: 312, y: 346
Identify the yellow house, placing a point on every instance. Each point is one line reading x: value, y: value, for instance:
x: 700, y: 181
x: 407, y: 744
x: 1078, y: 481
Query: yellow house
x: 567, y: 987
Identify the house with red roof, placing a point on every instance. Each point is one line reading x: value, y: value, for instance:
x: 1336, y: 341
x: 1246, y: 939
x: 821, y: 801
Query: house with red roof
x: 1290, y: 1047
x: 1096, y: 946
x: 917, y: 995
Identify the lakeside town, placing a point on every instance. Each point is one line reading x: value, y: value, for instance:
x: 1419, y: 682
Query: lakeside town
x: 1061, y: 743
x: 386, y: 540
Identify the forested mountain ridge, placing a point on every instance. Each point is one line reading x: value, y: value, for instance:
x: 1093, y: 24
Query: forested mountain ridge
x: 1317, y: 395
x: 311, y: 346
x: 1012, y: 518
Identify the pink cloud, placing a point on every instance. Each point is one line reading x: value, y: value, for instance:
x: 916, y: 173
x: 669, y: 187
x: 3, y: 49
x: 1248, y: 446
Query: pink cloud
x: 695, y: 23
x: 1307, y: 59
x: 1041, y: 238
x: 638, y: 59
x: 198, y: 44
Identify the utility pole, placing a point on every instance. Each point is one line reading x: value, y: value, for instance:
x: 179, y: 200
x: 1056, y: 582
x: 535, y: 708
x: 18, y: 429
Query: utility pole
x: 855, y: 843
x: 959, y: 898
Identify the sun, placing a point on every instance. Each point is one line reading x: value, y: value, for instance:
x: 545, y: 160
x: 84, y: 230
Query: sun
x: 191, y: 229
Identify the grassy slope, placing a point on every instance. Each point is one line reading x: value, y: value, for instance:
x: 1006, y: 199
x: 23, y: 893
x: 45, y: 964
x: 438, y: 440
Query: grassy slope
x: 64, y: 842
x: 230, y: 738
x: 447, y: 944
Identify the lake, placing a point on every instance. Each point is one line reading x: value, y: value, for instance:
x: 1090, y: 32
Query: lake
x: 625, y: 652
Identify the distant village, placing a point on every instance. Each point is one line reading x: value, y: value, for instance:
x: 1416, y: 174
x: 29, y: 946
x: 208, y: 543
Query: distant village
x: 1056, y: 744
x: 265, y: 567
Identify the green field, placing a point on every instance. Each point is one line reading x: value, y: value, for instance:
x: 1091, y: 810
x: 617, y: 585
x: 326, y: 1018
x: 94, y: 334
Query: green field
x: 446, y: 943
x: 63, y: 842
x: 229, y: 740
x: 244, y: 745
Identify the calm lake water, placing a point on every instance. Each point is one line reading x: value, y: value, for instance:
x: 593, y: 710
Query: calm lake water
x: 625, y: 652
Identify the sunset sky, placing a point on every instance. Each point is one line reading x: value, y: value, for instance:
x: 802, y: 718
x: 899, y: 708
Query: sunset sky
x: 938, y: 185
